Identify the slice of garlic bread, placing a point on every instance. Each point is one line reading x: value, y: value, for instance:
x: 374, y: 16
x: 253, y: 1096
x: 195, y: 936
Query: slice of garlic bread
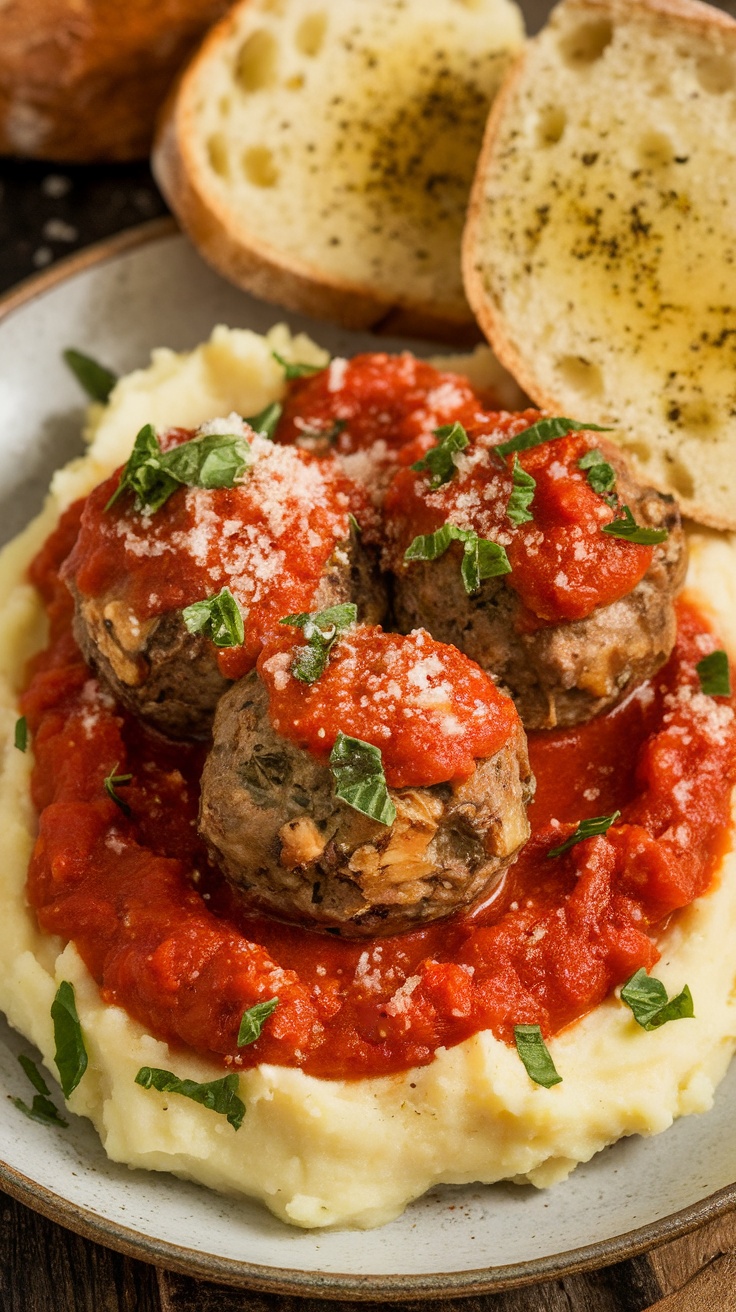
x: 321, y: 154
x: 600, y: 249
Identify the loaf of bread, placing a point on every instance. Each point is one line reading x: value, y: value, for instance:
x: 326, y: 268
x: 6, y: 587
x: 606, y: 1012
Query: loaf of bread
x: 82, y: 80
x: 321, y: 155
x: 600, y: 250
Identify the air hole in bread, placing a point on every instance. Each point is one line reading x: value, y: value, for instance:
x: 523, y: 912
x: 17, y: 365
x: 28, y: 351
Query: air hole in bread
x: 655, y: 150
x: 586, y: 43
x: 224, y: 105
x: 715, y: 73
x: 639, y: 449
x: 697, y: 416
x: 310, y: 34
x: 256, y: 61
x: 551, y: 125
x: 260, y: 167
x: 218, y: 156
x: 581, y: 375
x: 681, y: 480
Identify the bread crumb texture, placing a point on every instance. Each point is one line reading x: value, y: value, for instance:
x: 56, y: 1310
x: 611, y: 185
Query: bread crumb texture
x: 600, y: 256
x: 345, y: 137
x: 334, y: 1152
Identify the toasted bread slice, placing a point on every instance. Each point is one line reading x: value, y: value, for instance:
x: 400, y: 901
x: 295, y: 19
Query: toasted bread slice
x: 321, y: 155
x: 600, y: 249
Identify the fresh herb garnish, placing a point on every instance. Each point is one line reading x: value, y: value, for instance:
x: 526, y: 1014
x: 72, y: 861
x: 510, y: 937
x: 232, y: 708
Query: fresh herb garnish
x: 354, y: 525
x: 321, y: 630
x: 211, y: 461
x: 647, y: 998
x: 41, y: 1109
x: 714, y: 675
x: 114, y: 781
x: 626, y: 527
x: 325, y: 436
x: 266, y: 421
x: 71, y: 1054
x: 357, y: 769
x: 292, y: 370
x: 218, y: 618
x: 535, y: 1055
x: 598, y: 824
x: 96, y: 380
x: 438, y: 461
x: 545, y: 430
x: 217, y: 1095
x: 601, y: 475
x: 522, y: 495
x: 482, y: 559
x: 253, y: 1019
x: 21, y: 733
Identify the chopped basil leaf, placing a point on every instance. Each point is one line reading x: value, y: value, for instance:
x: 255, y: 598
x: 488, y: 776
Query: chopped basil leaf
x: 545, y: 430
x: 438, y: 461
x: 326, y: 436
x: 71, y: 1054
x: 522, y: 495
x: 535, y: 1055
x: 218, y: 618
x: 211, y: 461
x: 321, y: 630
x: 292, y: 370
x: 647, y: 998
x: 96, y: 380
x: 354, y: 525
x: 357, y: 769
x: 41, y: 1109
x: 21, y: 733
x: 714, y: 675
x: 266, y: 421
x: 482, y: 559
x: 599, y: 824
x: 253, y: 1020
x: 34, y: 1075
x: 626, y: 527
x: 601, y: 475
x: 112, y: 783
x: 217, y: 1095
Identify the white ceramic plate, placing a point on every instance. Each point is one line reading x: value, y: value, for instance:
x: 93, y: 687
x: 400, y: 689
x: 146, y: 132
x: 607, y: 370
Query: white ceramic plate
x: 118, y: 301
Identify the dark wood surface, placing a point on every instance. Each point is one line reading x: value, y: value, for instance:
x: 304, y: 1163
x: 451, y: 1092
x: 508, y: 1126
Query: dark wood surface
x: 46, y: 212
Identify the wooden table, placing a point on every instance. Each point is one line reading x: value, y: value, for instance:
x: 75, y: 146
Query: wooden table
x: 46, y: 1269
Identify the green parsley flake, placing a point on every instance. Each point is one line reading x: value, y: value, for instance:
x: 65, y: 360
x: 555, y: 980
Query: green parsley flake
x: 522, y: 495
x: 219, y: 1096
x: 439, y: 462
x: 252, y: 1021
x: 535, y: 1055
x: 713, y: 673
x: 647, y: 999
x: 626, y: 527
x: 218, y: 618
x: 599, y: 824
x: 601, y: 475
x: 96, y: 380
x: 71, y: 1054
x: 357, y: 769
x: 545, y: 430
x: 321, y: 630
x: 482, y: 559
x: 21, y: 734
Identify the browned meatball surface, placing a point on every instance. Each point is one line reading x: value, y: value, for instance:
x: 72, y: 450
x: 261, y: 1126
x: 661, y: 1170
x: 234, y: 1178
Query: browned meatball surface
x: 291, y: 848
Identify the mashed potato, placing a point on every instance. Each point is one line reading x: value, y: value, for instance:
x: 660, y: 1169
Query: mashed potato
x: 334, y: 1152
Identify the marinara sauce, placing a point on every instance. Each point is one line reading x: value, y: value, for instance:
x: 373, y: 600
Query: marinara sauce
x: 164, y: 939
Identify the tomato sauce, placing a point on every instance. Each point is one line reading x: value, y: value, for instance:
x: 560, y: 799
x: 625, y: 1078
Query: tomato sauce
x: 164, y: 938
x: 268, y: 539
x: 430, y: 710
x: 562, y: 566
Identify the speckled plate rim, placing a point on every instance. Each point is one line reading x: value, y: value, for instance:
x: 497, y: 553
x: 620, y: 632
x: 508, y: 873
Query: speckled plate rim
x: 283, y: 1280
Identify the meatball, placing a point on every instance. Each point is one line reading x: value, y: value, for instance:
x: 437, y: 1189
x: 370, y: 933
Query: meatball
x: 561, y: 667
x: 290, y: 847
x: 282, y: 541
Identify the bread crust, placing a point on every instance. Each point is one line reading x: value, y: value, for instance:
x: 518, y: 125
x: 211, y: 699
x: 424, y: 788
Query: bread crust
x: 696, y: 17
x: 80, y: 84
x: 261, y: 269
